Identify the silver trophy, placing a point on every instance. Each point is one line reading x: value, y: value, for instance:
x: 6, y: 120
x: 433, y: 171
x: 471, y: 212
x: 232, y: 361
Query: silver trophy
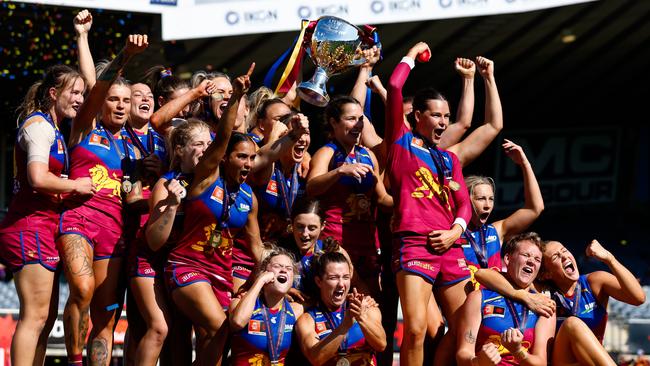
x: 335, y: 47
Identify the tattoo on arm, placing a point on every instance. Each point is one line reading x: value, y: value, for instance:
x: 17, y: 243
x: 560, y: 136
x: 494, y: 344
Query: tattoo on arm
x: 470, y: 338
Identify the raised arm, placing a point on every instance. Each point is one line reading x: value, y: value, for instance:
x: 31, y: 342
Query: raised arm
x: 360, y: 88
x: 82, y: 24
x: 521, y: 219
x: 477, y: 141
x: 394, y: 108
x: 620, y: 284
x: 466, y: 69
x: 85, y: 119
x: 209, y: 164
x: 165, y: 199
x: 272, y: 152
x: 161, y: 120
x: 537, y: 302
x: 242, y: 309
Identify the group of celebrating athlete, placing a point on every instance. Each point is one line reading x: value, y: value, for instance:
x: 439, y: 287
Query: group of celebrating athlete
x: 200, y: 201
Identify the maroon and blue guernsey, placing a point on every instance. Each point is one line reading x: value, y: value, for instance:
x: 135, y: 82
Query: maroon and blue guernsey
x: 586, y: 307
x: 499, y: 314
x: 428, y: 185
x: 482, y: 248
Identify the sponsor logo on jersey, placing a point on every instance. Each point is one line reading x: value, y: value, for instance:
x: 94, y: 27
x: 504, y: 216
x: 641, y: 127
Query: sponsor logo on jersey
x: 419, y: 144
x: 321, y: 328
x: 272, y: 188
x: 217, y: 194
x: 256, y: 327
x: 99, y: 140
x: 492, y: 311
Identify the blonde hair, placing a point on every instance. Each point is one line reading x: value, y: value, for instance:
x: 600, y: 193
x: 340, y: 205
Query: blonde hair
x: 181, y: 136
x: 475, y: 180
x: 38, y: 96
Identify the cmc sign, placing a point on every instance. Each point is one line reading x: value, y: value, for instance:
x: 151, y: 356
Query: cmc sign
x: 572, y: 167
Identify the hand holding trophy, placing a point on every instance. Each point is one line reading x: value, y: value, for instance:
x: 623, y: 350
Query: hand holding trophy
x: 335, y: 46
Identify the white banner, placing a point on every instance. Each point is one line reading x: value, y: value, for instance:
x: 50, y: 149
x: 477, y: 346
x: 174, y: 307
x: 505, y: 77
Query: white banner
x: 185, y: 19
x: 210, y: 18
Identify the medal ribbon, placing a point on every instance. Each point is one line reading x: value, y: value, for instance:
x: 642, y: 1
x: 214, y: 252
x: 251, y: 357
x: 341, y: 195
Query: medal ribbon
x: 274, y: 347
x: 59, y: 137
x: 288, y: 196
x: 520, y: 323
x: 138, y: 143
x: 480, y: 249
x: 576, y: 300
x: 343, y: 348
x: 123, y: 155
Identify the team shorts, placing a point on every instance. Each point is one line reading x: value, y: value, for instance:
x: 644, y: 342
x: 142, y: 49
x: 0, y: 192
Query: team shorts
x: 31, y: 240
x: 411, y: 253
x: 106, y: 241
x: 181, y: 275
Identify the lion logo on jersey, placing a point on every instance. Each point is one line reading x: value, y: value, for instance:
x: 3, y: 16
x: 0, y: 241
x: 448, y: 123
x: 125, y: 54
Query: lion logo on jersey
x: 359, y: 205
x: 101, y: 179
x: 430, y: 185
x: 214, y: 240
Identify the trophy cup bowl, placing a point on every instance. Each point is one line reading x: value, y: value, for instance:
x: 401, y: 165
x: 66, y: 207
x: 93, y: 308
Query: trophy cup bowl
x: 335, y: 47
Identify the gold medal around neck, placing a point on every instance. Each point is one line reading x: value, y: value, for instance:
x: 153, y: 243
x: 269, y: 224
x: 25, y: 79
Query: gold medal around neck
x: 127, y: 186
x: 362, y: 202
x: 343, y: 362
x: 216, y: 239
x: 455, y: 186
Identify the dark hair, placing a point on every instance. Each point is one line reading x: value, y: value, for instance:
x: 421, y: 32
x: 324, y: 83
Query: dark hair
x: 181, y: 135
x: 420, y: 101
x: 275, y: 251
x: 235, y: 139
x: 306, y: 205
x: 38, y: 95
x: 334, y: 109
x: 261, y: 110
x: 162, y: 82
x: 320, y: 262
x: 511, y: 245
x: 202, y: 109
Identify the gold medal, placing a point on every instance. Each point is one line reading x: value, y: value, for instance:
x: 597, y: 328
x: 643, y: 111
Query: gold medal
x: 127, y: 186
x: 362, y: 202
x: 215, y: 242
x: 455, y: 186
x: 343, y: 362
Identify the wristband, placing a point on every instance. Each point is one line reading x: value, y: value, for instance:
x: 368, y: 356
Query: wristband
x: 409, y: 61
x: 460, y: 221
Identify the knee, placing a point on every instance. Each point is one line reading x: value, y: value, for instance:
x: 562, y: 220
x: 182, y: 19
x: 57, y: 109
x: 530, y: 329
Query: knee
x: 414, y: 331
x: 159, y: 330
x: 36, y: 319
x: 573, y: 325
x: 216, y: 325
x: 81, y: 293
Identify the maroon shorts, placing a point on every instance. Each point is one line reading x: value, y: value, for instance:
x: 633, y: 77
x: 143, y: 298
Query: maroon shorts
x: 32, y: 241
x: 242, y: 262
x: 181, y: 275
x: 411, y: 253
x: 106, y: 241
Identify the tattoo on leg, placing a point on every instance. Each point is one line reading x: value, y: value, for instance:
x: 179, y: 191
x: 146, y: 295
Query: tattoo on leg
x: 471, y: 339
x: 83, y: 327
x: 99, y: 352
x: 74, y: 248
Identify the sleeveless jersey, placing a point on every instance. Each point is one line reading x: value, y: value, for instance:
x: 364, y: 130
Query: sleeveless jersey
x: 104, y: 158
x: 305, y: 279
x: 250, y: 346
x: 486, y: 239
x: 587, y: 309
x: 349, y: 204
x: 428, y: 184
x: 497, y: 316
x: 207, y: 239
x: 358, y: 352
x: 273, y: 200
x: 26, y: 201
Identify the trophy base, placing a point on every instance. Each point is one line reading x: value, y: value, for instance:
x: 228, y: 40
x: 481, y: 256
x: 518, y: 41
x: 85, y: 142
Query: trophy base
x: 312, y: 94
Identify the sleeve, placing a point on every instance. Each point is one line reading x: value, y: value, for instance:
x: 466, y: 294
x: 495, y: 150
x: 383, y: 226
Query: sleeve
x: 394, y: 108
x: 36, y: 139
x: 460, y: 196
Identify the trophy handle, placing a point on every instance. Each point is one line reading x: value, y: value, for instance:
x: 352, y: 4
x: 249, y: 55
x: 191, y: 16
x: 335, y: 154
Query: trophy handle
x: 314, y: 91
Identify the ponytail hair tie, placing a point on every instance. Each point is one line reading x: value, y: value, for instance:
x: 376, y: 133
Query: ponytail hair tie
x: 165, y: 73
